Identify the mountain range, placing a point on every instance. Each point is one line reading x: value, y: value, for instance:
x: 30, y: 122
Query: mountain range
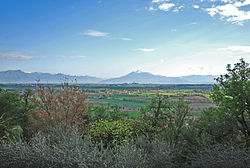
x: 18, y: 76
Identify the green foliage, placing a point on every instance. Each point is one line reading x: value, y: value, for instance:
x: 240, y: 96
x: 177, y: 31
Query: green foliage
x: 60, y: 149
x: 57, y: 149
x: 4, y: 126
x: 222, y: 157
x: 216, y: 127
x: 232, y: 96
x: 169, y: 115
x: 5, y: 129
x: 164, y: 113
x: 142, y: 153
x: 13, y: 133
x: 116, y: 114
x: 98, y: 113
x: 157, y: 111
x: 15, y: 114
x: 116, y: 132
x: 102, y: 112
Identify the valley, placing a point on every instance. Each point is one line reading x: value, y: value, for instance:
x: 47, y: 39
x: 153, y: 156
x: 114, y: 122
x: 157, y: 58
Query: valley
x: 131, y: 97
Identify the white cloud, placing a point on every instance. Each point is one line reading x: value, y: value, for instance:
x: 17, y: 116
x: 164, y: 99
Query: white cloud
x: 158, y: 1
x: 146, y: 49
x: 126, y: 39
x: 166, y: 6
x: 94, y: 33
x: 16, y: 55
x: 163, y: 5
x: 234, y: 11
x: 151, y: 8
x: 239, y: 4
x: 178, y: 8
x: 231, y: 12
x: 173, y: 30
x: 228, y: 10
x: 212, y: 11
x: 242, y: 49
x: 196, y: 6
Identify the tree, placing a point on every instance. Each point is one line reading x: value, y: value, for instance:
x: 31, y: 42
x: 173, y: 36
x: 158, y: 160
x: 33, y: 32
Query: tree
x: 14, y: 114
x: 214, y: 127
x: 163, y: 112
x: 232, y: 96
x: 170, y: 115
x: 64, y: 107
x: 157, y: 111
x: 103, y: 113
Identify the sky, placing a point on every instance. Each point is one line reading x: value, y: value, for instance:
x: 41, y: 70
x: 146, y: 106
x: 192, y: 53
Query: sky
x: 110, y: 38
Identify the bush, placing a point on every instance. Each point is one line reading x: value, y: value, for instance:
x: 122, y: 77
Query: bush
x: 222, y: 157
x: 60, y: 149
x: 116, y: 132
x: 143, y: 153
x: 216, y: 127
x: 57, y: 149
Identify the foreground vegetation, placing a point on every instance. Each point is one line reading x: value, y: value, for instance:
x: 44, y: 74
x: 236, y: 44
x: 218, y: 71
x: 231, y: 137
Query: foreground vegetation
x: 58, y: 128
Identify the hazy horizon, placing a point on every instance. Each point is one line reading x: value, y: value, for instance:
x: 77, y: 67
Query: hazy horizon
x: 137, y: 71
x: 109, y: 39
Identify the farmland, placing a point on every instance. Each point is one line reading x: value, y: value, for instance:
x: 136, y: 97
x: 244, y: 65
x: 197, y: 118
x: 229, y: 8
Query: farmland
x: 131, y: 97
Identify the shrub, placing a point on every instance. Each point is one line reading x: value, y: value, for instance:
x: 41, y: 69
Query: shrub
x: 116, y: 132
x: 222, y: 157
x: 143, y: 153
x: 216, y: 127
x: 57, y: 149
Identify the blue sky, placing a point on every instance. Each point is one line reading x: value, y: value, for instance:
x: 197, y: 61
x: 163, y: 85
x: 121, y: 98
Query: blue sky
x: 110, y: 38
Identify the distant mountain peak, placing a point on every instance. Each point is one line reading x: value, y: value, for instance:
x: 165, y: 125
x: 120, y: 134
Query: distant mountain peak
x: 137, y: 71
x: 18, y: 70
